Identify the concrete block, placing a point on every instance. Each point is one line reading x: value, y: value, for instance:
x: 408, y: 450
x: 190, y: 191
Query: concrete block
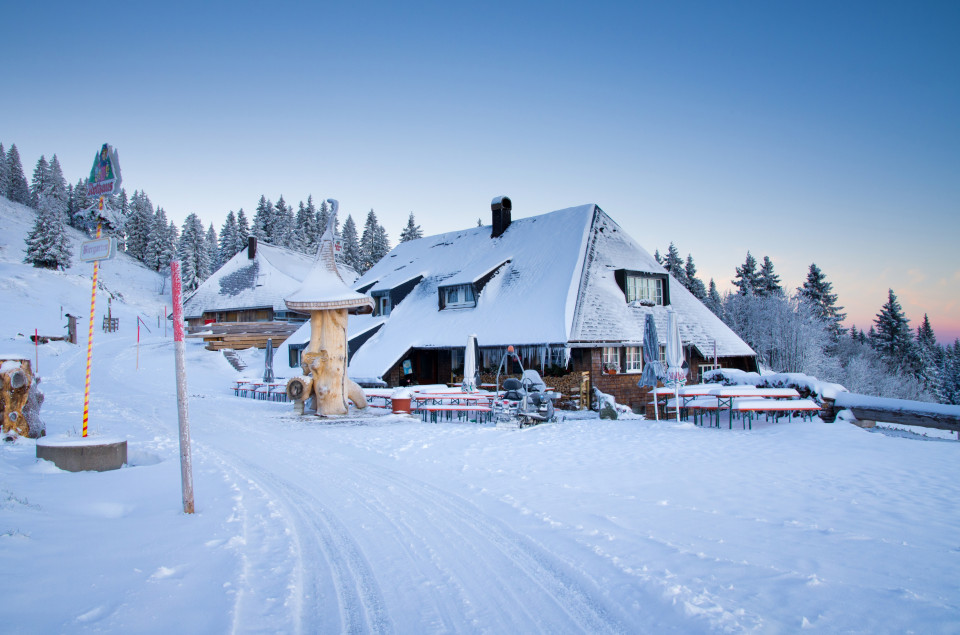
x: 78, y: 454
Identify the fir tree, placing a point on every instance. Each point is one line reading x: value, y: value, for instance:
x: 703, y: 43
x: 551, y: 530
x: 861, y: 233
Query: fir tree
x: 263, y: 220
x: 351, y: 246
x: 159, y: 248
x: 948, y: 389
x: 79, y: 218
x: 140, y: 223
x: 302, y: 239
x: 893, y: 338
x: 929, y: 356
x: 283, y: 223
x: 412, y: 231
x: 816, y: 291
x: 39, y: 182
x: 17, y: 189
x: 323, y: 216
x: 746, y: 277
x: 713, y: 300
x: 4, y: 173
x: 673, y: 263
x: 213, y: 250
x: 374, y: 243
x: 57, y: 185
x: 230, y: 243
x: 658, y: 257
x: 243, y: 228
x: 192, y: 253
x: 768, y: 283
x: 47, y: 244
x: 694, y: 284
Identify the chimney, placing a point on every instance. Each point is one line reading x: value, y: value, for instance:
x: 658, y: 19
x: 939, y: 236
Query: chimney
x: 251, y: 247
x: 501, y: 207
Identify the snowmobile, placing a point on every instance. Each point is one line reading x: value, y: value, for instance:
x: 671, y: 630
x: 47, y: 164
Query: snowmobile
x: 525, y: 401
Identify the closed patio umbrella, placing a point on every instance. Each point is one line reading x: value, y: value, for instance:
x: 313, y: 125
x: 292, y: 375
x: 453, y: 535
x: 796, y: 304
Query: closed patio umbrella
x: 652, y: 370
x: 268, y: 363
x: 470, y: 365
x: 676, y: 375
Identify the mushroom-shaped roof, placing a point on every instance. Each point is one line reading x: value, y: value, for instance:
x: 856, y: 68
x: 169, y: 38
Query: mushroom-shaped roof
x: 323, y: 288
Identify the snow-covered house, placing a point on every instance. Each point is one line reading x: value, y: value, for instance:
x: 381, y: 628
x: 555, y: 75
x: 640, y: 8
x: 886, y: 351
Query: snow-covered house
x: 570, y: 290
x: 251, y: 287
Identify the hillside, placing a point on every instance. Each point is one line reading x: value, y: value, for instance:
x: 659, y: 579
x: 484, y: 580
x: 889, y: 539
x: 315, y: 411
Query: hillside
x: 383, y: 523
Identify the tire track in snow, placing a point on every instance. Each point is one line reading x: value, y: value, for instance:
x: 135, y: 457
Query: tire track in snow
x: 321, y: 543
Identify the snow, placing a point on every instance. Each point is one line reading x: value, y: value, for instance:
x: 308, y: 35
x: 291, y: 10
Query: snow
x: 380, y: 522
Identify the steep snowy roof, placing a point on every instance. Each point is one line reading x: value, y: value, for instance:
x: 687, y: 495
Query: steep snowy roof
x: 534, y: 269
x: 604, y: 316
x: 241, y: 283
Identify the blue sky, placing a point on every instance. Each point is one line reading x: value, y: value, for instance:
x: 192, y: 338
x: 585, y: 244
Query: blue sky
x: 806, y: 131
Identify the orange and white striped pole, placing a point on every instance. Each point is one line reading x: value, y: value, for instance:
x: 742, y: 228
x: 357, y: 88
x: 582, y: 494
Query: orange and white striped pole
x: 93, y: 303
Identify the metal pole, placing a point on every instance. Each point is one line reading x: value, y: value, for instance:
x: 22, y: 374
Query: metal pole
x: 186, y: 466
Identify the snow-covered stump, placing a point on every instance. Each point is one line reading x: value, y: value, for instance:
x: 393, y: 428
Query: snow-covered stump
x: 79, y: 454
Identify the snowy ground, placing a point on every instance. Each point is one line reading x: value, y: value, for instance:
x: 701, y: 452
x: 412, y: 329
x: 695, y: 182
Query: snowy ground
x: 386, y: 524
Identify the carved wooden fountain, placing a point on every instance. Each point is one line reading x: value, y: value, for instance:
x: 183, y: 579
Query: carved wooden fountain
x: 328, y: 300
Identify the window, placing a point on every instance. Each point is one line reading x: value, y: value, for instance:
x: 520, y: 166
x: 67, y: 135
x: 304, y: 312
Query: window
x: 458, y: 296
x: 663, y: 355
x: 634, y: 359
x: 610, y: 359
x: 384, y: 305
x: 644, y: 290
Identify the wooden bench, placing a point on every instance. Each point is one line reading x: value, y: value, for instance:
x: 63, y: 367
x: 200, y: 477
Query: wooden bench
x: 749, y: 408
x: 435, y: 413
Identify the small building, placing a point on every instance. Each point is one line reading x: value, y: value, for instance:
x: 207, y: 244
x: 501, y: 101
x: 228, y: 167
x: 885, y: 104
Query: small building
x: 249, y: 289
x: 570, y: 290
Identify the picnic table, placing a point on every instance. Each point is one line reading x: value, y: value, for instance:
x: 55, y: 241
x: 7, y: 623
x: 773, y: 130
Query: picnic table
x: 437, y: 405
x: 727, y: 394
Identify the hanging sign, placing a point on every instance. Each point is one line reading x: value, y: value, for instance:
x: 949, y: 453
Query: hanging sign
x: 105, y: 173
x: 99, y: 249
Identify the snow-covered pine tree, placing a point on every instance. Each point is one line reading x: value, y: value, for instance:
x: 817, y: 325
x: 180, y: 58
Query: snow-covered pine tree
x: 816, y: 291
x: 78, y: 205
x: 412, y: 231
x: 139, y: 225
x: 768, y: 282
x: 4, y: 175
x: 193, y: 255
x: 674, y: 265
x: 213, y: 250
x: 658, y: 257
x: 713, y: 300
x: 694, y: 284
x: 323, y: 216
x: 893, y: 339
x: 746, y: 277
x: 263, y: 220
x: 381, y: 244
x: 159, y: 250
x: 351, y: 246
x: 230, y: 243
x: 302, y: 237
x: 57, y: 185
x: 243, y: 228
x: 47, y: 243
x: 18, y: 190
x: 314, y: 237
x: 948, y: 390
x: 367, y: 242
x: 38, y: 183
x: 929, y: 357
x: 283, y: 223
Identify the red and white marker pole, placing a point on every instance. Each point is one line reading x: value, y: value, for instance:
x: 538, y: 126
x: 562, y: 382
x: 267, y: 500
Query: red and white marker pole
x: 186, y: 466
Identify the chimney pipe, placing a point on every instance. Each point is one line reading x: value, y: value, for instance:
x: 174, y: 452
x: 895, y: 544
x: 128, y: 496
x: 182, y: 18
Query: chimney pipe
x: 501, y: 207
x: 251, y: 247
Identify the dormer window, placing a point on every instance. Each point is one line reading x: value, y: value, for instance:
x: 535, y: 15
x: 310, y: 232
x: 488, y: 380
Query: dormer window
x: 457, y: 297
x: 646, y: 289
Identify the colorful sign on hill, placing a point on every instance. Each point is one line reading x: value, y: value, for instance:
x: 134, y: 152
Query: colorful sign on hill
x: 105, y: 173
